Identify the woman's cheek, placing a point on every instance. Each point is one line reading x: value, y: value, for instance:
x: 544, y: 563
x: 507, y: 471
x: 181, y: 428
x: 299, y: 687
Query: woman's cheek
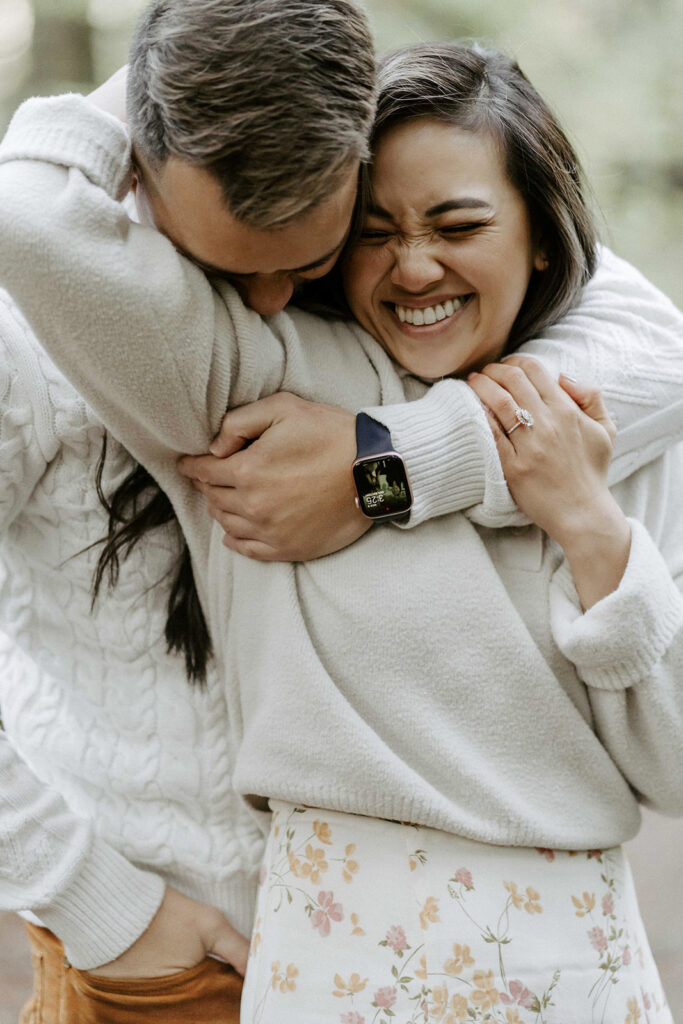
x: 364, y: 272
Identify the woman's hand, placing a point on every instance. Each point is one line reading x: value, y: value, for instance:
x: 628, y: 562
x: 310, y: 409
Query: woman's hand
x: 556, y: 469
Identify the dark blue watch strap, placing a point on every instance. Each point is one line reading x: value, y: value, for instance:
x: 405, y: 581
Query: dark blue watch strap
x: 372, y: 438
x: 373, y: 441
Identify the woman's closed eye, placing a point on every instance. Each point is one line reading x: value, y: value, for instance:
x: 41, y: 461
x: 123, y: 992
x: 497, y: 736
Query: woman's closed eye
x: 462, y: 229
x: 379, y: 235
x: 375, y: 234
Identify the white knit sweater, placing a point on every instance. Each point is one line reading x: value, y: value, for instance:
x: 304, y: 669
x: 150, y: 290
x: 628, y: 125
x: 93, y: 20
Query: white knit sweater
x: 115, y: 774
x: 331, y: 596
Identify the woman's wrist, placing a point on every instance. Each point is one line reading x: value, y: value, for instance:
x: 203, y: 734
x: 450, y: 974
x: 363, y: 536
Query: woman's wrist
x: 597, y: 548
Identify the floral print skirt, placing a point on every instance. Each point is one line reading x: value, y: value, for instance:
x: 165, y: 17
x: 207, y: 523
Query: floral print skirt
x: 361, y: 921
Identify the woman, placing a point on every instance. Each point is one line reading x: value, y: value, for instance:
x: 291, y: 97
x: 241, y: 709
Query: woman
x: 324, y: 661
x: 463, y: 930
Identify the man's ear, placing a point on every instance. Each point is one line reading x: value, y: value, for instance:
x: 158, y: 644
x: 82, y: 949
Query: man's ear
x: 135, y: 181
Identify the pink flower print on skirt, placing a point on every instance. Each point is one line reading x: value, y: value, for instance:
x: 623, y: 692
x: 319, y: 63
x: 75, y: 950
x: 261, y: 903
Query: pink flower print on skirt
x: 361, y: 921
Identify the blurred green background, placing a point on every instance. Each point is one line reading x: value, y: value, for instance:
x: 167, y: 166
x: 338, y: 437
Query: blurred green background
x: 611, y: 69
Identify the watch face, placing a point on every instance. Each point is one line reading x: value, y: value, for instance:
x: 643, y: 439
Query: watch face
x: 382, y: 486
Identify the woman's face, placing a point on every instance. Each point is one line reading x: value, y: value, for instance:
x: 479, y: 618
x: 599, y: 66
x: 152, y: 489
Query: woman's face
x: 446, y: 253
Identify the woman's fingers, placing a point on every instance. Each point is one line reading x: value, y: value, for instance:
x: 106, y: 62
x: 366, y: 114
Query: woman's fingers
x: 542, y: 380
x: 589, y: 399
x: 499, y: 435
x: 527, y: 382
x: 504, y: 390
x: 556, y: 468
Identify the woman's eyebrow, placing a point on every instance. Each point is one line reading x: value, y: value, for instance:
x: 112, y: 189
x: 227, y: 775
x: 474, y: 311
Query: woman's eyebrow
x: 466, y: 203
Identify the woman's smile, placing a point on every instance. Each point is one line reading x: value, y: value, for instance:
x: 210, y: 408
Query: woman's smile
x: 445, y: 254
x: 438, y: 311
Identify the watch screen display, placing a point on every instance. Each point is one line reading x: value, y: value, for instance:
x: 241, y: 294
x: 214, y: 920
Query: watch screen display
x: 382, y: 486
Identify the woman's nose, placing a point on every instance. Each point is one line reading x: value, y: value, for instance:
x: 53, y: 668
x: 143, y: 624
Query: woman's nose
x: 415, y: 268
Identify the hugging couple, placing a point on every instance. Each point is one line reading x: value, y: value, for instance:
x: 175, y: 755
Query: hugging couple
x: 365, y: 707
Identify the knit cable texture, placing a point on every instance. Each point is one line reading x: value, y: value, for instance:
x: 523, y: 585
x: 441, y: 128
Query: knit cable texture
x: 115, y: 774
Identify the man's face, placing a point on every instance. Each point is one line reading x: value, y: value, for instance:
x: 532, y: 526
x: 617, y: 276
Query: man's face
x: 186, y: 204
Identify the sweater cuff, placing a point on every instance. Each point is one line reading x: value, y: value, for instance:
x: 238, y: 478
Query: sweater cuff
x: 105, y: 909
x: 69, y: 131
x: 618, y: 642
x: 451, y: 456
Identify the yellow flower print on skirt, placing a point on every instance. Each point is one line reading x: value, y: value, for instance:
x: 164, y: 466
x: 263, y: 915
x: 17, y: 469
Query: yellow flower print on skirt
x: 361, y: 921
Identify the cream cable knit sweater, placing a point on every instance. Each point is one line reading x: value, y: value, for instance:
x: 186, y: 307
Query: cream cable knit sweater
x: 115, y: 775
x: 372, y: 370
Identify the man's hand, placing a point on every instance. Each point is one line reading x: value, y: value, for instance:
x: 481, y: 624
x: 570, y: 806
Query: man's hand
x: 289, y: 496
x: 182, y: 933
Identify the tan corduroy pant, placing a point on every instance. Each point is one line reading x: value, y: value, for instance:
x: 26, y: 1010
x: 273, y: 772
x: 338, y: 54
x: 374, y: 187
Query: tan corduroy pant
x: 206, y: 994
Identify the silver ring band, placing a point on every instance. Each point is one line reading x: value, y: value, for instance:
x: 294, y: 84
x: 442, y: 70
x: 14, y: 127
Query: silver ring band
x: 524, y: 419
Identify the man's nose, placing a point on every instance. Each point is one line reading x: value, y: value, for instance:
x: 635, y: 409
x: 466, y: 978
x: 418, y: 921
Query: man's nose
x: 415, y: 268
x: 267, y: 293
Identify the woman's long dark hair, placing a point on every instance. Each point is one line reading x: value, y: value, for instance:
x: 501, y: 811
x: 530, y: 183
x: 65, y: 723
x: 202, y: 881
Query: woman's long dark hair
x: 478, y: 89
x: 137, y: 506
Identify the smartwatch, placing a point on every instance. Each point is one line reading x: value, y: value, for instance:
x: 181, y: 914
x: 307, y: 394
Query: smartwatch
x: 379, y: 473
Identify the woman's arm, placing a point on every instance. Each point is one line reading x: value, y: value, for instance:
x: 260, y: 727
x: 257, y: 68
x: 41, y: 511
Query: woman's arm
x: 615, y: 600
x: 556, y: 462
x: 628, y: 648
x: 624, y: 336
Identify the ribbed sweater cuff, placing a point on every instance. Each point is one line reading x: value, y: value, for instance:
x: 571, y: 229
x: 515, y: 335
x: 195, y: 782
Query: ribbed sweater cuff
x: 619, y: 641
x: 70, y: 131
x: 107, y: 906
x: 450, y: 454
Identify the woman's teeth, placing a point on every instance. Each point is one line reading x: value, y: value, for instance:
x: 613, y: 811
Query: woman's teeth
x: 429, y: 314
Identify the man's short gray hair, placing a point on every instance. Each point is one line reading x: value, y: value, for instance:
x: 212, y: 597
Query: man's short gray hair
x: 275, y: 98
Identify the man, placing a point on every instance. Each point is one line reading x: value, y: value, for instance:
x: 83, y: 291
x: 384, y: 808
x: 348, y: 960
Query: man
x: 140, y: 758
x: 115, y: 774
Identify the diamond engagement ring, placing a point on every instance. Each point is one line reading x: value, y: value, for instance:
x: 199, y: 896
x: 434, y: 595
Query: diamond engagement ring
x: 524, y: 419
